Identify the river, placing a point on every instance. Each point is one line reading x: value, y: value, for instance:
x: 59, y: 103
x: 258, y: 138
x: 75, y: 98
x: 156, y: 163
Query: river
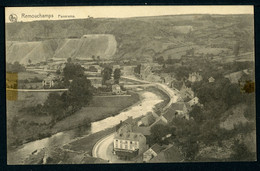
x: 148, y: 101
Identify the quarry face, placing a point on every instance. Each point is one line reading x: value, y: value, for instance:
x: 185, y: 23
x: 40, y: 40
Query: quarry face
x: 103, y: 45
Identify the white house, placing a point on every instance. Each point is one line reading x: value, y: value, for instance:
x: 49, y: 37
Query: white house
x: 211, y: 80
x: 129, y: 144
x: 116, y: 89
x: 194, y: 101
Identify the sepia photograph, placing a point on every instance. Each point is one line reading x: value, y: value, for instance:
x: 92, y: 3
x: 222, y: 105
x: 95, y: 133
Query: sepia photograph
x: 130, y: 84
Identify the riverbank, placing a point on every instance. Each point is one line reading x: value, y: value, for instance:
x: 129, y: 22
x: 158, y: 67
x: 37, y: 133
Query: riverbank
x: 25, y: 128
x: 84, y: 140
x: 99, y: 109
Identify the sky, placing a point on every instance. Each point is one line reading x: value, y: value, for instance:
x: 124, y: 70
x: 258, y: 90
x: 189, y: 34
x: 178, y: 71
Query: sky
x: 26, y: 14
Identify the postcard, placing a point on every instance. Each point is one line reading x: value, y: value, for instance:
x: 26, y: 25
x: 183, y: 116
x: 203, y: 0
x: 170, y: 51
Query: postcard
x: 130, y: 84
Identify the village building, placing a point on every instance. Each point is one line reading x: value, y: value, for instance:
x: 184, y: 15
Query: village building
x: 195, y: 77
x: 49, y: 81
x: 193, y: 101
x: 147, y: 120
x: 169, y: 115
x: 211, y: 80
x: 171, y: 154
x: 144, y: 125
x: 152, y: 152
x: 116, y: 89
x: 177, y: 110
x: 167, y: 79
x: 129, y: 144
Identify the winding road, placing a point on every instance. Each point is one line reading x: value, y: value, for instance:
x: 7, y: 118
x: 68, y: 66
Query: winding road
x: 101, y: 148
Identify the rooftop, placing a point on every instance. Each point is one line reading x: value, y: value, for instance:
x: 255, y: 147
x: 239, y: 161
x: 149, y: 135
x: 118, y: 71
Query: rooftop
x: 129, y: 136
x: 157, y: 148
x: 170, y: 154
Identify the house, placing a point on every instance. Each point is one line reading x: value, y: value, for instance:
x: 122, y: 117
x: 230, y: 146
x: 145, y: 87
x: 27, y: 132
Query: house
x: 116, y: 89
x: 194, y: 77
x: 49, y: 81
x: 167, y: 79
x: 169, y: 115
x: 211, y: 80
x: 146, y: 120
x: 193, y: 101
x: 176, y: 110
x: 171, y: 154
x: 144, y: 125
x: 129, y: 144
x: 152, y: 152
x: 180, y: 109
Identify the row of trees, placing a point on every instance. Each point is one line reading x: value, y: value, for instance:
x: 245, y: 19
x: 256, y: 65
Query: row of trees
x: 107, y: 75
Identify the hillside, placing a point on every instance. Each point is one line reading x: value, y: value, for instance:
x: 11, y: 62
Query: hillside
x: 38, y: 51
x: 135, y: 38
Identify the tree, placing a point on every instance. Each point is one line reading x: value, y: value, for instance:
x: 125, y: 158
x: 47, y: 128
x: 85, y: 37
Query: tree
x: 137, y: 69
x: 69, y: 60
x: 58, y: 72
x: 54, y: 106
x: 117, y: 74
x: 159, y: 131
x: 106, y: 74
x: 191, y: 149
x: 29, y: 61
x: 241, y: 152
x: 197, y: 114
x: 79, y: 94
x: 72, y: 71
x: 250, y: 112
x: 93, y: 57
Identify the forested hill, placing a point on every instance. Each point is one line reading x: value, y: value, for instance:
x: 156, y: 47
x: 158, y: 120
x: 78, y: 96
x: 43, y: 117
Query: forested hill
x: 145, y: 37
